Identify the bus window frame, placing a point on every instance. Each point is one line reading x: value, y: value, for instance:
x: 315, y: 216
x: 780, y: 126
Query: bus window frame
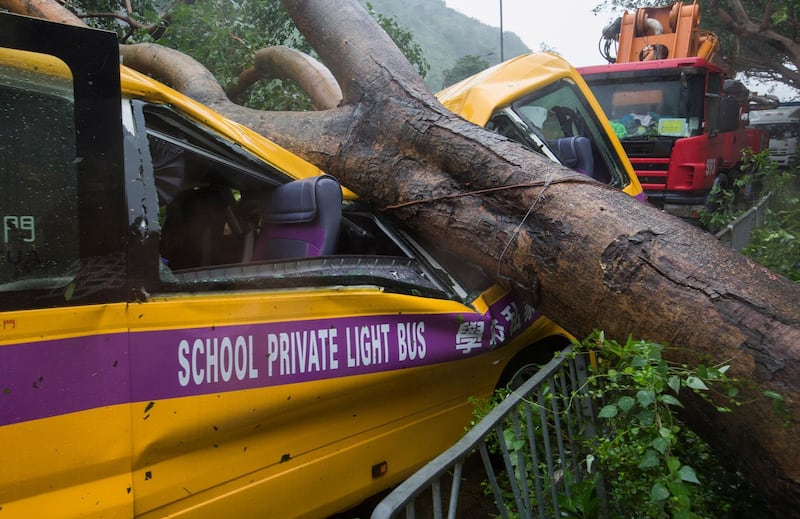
x: 93, y: 58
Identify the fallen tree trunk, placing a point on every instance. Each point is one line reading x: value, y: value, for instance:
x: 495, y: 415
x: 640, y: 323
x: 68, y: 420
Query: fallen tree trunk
x: 586, y: 255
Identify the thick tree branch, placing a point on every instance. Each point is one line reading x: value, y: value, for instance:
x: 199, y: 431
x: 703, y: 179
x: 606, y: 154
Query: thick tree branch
x: 177, y: 69
x: 286, y: 63
x: 46, y: 9
x: 738, y: 22
x: 381, y: 65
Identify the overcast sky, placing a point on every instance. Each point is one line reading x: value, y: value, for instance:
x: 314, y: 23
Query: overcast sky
x: 569, y: 28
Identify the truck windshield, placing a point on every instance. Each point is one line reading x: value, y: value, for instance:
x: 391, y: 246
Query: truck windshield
x: 558, y: 115
x: 782, y: 131
x: 668, y: 107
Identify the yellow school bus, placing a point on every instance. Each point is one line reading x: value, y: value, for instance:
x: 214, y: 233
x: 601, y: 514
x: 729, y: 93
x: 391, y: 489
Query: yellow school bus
x: 197, y: 323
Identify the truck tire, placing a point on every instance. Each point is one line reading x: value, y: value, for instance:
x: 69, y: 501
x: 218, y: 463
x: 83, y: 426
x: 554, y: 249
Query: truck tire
x: 712, y: 202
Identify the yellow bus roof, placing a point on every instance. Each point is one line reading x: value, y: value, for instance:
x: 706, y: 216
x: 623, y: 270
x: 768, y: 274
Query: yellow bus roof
x: 478, y: 97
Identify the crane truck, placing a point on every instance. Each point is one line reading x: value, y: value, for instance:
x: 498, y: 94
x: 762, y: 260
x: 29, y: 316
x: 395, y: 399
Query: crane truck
x: 681, y: 119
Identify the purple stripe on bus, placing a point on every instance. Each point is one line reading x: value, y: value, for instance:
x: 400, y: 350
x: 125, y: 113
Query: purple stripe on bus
x: 63, y: 376
x: 49, y: 378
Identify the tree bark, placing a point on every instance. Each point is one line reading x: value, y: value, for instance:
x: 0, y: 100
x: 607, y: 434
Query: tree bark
x: 586, y: 255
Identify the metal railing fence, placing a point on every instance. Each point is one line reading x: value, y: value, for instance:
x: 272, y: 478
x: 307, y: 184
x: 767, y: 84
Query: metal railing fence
x: 526, y: 444
x: 736, y: 234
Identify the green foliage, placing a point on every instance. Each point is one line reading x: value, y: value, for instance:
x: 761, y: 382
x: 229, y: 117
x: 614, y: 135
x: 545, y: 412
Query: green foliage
x: 776, y: 243
x: 464, y: 67
x: 223, y: 36
x: 719, y: 210
x: 732, y: 196
x: 646, y: 455
x: 640, y: 460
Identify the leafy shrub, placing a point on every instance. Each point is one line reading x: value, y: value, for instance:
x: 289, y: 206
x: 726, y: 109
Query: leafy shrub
x: 638, y: 459
x: 776, y: 243
x: 649, y: 460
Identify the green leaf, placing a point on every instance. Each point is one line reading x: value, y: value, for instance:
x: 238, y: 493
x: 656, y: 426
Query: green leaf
x: 674, y: 383
x: 679, y: 491
x: 646, y: 417
x: 673, y: 464
x: 696, y: 383
x: 671, y: 400
x: 687, y: 474
x: 626, y: 403
x: 661, y: 444
x: 773, y: 395
x: 609, y: 411
x: 646, y: 397
x: 650, y: 459
x: 659, y: 492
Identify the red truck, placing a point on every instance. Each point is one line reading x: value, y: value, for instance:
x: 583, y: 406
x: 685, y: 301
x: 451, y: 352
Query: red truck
x: 681, y: 120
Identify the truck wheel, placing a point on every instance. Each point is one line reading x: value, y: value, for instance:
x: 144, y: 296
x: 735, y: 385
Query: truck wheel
x: 713, y: 200
x: 751, y: 191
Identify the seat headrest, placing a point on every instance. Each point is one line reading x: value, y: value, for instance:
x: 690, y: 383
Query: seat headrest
x: 575, y: 153
x: 296, y: 202
x: 300, y: 219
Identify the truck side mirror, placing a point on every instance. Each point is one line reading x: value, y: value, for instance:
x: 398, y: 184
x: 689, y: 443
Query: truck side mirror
x: 728, y: 117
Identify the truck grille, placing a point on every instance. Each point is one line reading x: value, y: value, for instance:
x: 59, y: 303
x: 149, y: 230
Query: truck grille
x: 651, y: 148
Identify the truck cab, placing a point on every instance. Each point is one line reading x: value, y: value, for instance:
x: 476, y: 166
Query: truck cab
x: 782, y: 126
x: 681, y: 120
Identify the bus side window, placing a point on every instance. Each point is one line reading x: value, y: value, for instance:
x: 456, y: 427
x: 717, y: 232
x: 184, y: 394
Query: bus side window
x: 38, y: 197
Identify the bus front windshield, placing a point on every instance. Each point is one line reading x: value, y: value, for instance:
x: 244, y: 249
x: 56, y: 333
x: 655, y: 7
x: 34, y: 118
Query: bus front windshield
x: 558, y: 114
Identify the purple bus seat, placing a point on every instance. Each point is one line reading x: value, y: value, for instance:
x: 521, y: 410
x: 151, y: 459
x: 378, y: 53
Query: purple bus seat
x: 575, y: 153
x: 300, y: 219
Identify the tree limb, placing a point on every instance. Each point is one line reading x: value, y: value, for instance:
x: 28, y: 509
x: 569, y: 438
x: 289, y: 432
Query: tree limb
x: 47, y: 9
x: 282, y: 62
x: 184, y: 73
